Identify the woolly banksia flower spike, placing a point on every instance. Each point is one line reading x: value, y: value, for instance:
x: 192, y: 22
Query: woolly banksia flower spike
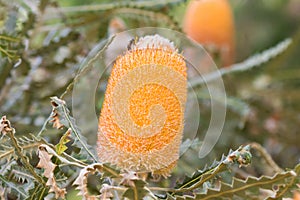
x: 142, y: 117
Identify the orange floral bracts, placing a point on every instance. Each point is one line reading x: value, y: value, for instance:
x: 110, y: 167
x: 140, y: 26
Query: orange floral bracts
x: 142, y: 118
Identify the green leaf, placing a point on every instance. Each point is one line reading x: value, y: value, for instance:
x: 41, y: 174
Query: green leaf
x: 126, y: 4
x: 81, y: 180
x: 62, y: 112
x: 28, y: 146
x: 241, y: 156
x: 13, y: 186
x: 37, y: 192
x: 250, y: 188
x: 8, y: 46
x: 136, y: 186
x: 249, y: 63
x: 136, y: 192
x: 61, y: 146
x: 54, y: 45
x: 240, y: 187
x: 21, y: 175
x: 292, y: 184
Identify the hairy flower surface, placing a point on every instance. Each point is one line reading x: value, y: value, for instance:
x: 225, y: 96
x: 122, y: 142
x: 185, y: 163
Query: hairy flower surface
x: 141, y: 121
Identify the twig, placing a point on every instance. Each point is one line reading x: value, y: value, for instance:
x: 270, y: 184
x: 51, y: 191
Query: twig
x: 162, y: 189
x: 212, y: 173
x: 23, y: 147
x: 74, y: 130
x: 119, y: 188
x: 266, y: 156
x: 65, y: 161
x: 287, y: 187
x: 44, y: 127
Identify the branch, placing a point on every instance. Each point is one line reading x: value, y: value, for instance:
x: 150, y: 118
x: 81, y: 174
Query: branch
x: 266, y: 156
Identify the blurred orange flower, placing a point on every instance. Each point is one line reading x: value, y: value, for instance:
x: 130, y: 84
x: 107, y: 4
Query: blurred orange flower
x: 210, y: 22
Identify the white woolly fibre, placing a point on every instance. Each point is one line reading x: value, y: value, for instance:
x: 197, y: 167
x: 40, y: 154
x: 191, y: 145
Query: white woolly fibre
x: 155, y: 42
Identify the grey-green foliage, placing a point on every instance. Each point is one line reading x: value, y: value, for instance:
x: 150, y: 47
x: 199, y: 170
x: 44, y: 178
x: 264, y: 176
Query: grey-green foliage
x: 202, y: 184
x: 32, y: 69
x: 27, y: 144
x: 63, y: 113
x: 251, y: 187
x: 137, y: 190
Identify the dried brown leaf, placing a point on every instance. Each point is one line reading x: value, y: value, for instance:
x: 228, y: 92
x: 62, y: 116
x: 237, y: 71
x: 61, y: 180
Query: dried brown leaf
x: 55, y: 116
x: 106, y: 193
x: 81, y: 181
x: 129, y: 178
x: 46, y: 163
x: 5, y: 126
x: 135, y: 186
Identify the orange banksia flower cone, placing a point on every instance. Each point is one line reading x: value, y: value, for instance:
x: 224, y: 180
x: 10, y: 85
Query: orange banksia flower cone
x: 142, y: 118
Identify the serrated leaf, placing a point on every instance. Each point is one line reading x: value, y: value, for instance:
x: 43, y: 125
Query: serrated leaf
x: 21, y: 175
x: 244, y: 188
x: 292, y: 184
x: 13, y: 186
x: 28, y: 146
x: 63, y: 115
x: 37, y: 192
x: 249, y: 63
x: 241, y: 156
x: 81, y: 181
x: 6, y: 167
x: 136, y: 186
x: 106, y: 192
x: 61, y: 146
x: 46, y: 163
x: 137, y: 191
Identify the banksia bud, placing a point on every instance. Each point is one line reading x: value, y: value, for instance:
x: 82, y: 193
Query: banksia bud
x: 142, y: 117
x: 210, y: 22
